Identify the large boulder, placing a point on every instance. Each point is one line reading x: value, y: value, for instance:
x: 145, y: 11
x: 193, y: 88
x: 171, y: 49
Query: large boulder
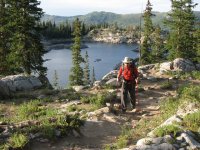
x: 5, y: 92
x: 112, y: 74
x: 166, y: 66
x: 21, y: 82
x: 112, y: 82
x: 180, y: 64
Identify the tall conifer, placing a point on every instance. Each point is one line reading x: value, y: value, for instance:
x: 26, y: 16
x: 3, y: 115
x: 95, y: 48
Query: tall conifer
x: 157, y: 45
x: 86, y: 70
x: 26, y: 48
x: 4, y: 36
x: 181, y: 22
x: 148, y: 29
x: 76, y: 74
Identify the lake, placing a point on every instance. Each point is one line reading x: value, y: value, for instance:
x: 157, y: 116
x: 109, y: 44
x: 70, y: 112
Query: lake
x: 108, y: 54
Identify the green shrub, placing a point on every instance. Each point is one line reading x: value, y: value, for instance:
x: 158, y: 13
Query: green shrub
x: 192, y: 121
x: 98, y: 100
x: 27, y: 110
x: 169, y: 106
x: 18, y: 140
x: 190, y: 93
x: 193, y: 75
x: 124, y: 138
x: 167, y: 130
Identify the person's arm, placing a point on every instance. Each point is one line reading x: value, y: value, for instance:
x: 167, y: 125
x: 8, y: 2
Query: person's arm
x: 136, y: 75
x: 119, y: 74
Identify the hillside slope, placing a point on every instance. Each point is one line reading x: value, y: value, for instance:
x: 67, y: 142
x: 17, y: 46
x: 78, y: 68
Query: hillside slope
x: 110, y: 18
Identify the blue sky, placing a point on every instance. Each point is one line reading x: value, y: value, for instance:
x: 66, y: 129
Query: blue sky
x: 81, y: 7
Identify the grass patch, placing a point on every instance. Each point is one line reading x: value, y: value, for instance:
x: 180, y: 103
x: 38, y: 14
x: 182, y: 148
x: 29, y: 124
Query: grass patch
x: 193, y: 75
x: 190, y: 93
x: 99, y: 100
x: 69, y: 94
x: 167, y: 130
x: 124, y: 138
x: 166, y: 85
x: 185, y: 75
x: 17, y: 141
x: 192, y: 122
x: 169, y: 107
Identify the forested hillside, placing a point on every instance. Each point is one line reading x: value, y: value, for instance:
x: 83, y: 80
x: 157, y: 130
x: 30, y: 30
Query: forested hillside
x: 110, y: 18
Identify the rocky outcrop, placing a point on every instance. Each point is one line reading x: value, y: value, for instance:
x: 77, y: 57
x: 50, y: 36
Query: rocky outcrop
x: 183, y: 65
x: 5, y: 91
x: 185, y: 139
x: 109, y: 36
x: 178, y: 64
x: 19, y: 83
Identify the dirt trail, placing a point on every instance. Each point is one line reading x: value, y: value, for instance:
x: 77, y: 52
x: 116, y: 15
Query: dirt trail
x: 97, y: 134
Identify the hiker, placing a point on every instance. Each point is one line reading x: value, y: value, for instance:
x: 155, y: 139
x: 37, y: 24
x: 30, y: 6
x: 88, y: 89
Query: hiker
x: 129, y: 74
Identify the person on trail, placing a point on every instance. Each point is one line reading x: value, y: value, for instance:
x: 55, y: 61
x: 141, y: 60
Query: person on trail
x: 129, y: 74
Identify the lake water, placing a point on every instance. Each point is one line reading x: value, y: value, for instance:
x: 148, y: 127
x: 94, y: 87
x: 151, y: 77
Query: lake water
x: 110, y: 55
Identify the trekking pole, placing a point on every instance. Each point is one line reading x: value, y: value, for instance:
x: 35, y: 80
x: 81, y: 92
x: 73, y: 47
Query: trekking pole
x: 137, y: 95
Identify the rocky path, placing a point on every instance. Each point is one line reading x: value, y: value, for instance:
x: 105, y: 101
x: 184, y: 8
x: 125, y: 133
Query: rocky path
x: 105, y: 127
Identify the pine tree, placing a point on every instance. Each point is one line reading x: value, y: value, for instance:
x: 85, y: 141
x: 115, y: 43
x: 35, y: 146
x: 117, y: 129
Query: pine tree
x: 93, y: 76
x: 26, y: 48
x: 197, y: 46
x: 76, y: 74
x: 86, y: 70
x: 181, y: 22
x: 157, y: 45
x: 4, y: 36
x: 55, y: 80
x: 148, y: 29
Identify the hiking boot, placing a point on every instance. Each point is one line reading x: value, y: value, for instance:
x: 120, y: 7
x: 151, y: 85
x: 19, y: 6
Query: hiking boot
x: 123, y: 110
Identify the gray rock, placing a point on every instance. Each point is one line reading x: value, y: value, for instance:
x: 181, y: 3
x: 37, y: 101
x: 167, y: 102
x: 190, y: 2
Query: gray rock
x: 189, y: 109
x: 172, y: 119
x: 5, y: 91
x: 35, y: 82
x: 112, y: 74
x: 22, y: 85
x: 166, y: 146
x: 146, y: 67
x: 112, y: 82
x: 166, y: 66
x: 78, y: 88
x: 193, y: 143
x: 21, y: 82
x: 97, y: 83
x: 184, y: 65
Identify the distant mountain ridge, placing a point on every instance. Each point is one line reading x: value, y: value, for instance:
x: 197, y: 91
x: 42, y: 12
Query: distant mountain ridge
x: 110, y: 18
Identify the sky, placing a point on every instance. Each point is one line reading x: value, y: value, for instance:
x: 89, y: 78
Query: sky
x: 82, y: 7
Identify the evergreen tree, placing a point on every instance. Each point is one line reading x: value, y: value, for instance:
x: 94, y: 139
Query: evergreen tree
x: 148, y: 29
x: 86, y: 70
x: 197, y: 46
x: 55, y: 80
x: 181, y: 22
x: 158, y: 46
x: 4, y: 36
x: 93, y: 76
x: 76, y: 74
x: 26, y: 48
